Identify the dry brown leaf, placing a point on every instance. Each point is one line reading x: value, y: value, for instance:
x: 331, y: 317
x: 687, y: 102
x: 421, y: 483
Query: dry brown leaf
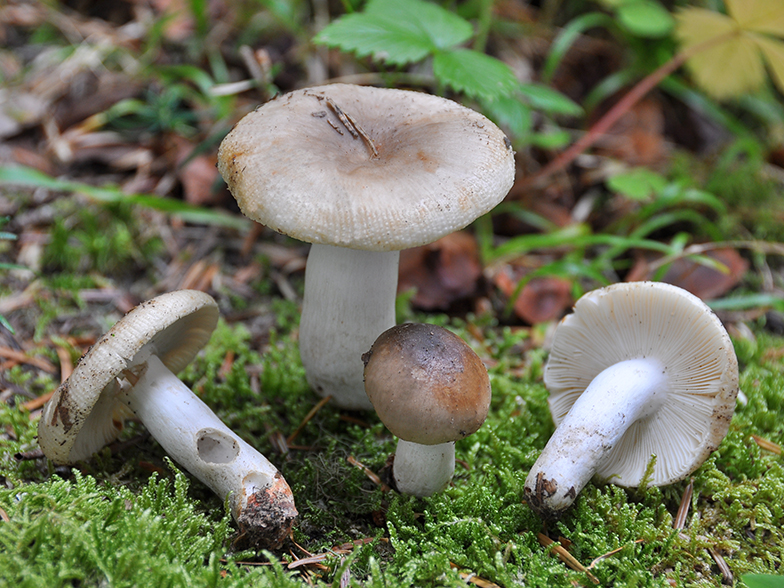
x: 197, y: 174
x: 442, y: 272
x: 638, y: 136
x: 541, y: 299
x: 701, y: 280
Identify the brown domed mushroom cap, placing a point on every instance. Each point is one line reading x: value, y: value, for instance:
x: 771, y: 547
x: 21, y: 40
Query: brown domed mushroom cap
x: 366, y: 168
x: 426, y: 384
x: 83, y: 414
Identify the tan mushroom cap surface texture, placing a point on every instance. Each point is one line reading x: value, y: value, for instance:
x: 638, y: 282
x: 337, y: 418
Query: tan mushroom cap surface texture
x: 650, y: 319
x: 366, y: 168
x: 174, y: 326
x: 426, y: 384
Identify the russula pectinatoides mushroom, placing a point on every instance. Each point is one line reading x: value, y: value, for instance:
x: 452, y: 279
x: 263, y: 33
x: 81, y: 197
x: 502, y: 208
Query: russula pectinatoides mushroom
x: 638, y: 370
x: 131, y: 371
x: 430, y: 389
x: 361, y: 173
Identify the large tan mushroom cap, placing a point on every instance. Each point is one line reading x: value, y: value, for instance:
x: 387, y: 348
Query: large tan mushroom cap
x: 304, y: 165
x: 426, y: 384
x: 83, y: 415
x: 650, y: 320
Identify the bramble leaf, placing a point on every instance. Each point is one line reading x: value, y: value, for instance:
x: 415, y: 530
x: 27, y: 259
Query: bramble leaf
x: 397, y: 32
x: 379, y: 38
x: 444, y: 28
x: 549, y: 100
x: 475, y: 74
x: 637, y: 184
x: 510, y: 112
x: 645, y: 18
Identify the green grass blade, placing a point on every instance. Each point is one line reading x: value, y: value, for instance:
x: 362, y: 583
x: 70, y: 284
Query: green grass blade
x: 25, y: 176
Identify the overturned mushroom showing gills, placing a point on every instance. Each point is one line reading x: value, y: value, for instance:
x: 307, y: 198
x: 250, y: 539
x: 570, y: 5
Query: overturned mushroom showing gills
x: 637, y: 370
x: 430, y: 389
x: 361, y: 173
x: 131, y: 371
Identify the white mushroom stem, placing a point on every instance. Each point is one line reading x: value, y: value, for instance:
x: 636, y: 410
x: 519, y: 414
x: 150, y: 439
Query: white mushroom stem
x: 619, y: 396
x: 196, y: 438
x: 349, y: 301
x: 423, y: 470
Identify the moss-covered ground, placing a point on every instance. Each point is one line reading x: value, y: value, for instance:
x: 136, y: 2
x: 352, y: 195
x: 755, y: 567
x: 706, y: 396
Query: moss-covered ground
x: 129, y: 517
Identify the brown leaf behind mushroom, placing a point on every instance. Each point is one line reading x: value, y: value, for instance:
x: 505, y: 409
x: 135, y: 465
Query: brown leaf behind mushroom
x: 699, y: 279
x: 541, y: 300
x: 442, y: 272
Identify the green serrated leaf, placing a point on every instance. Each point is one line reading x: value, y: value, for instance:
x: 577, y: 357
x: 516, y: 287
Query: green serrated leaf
x: 445, y: 29
x: 556, y: 139
x: 396, y: 33
x: 383, y: 40
x: 645, y: 18
x: 475, y: 74
x: 549, y: 100
x: 637, y: 184
x: 511, y: 113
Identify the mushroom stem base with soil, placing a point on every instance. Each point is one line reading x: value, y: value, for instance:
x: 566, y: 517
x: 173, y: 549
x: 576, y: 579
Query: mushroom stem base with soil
x: 260, y: 499
x: 349, y: 301
x: 423, y: 470
x: 619, y: 396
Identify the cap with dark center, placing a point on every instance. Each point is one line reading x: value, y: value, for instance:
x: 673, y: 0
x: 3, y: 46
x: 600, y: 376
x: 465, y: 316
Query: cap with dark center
x: 637, y: 370
x: 361, y: 173
x: 430, y: 389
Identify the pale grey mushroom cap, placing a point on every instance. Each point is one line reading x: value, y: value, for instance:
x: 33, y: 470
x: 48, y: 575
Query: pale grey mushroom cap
x: 84, y: 414
x: 304, y: 165
x: 650, y: 320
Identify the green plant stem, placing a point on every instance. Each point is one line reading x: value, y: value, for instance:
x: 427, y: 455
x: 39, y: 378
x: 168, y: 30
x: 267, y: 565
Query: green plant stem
x: 483, y: 26
x: 620, y: 108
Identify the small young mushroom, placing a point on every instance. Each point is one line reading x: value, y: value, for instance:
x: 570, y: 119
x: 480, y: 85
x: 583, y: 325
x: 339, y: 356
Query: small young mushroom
x: 638, y: 370
x: 430, y: 389
x: 361, y: 173
x: 131, y: 371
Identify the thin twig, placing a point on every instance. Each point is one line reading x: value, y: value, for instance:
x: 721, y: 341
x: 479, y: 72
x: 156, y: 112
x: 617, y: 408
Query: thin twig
x: 619, y: 109
x: 566, y: 557
x: 38, y: 402
x: 350, y: 123
x: 306, y: 420
x: 767, y: 445
x: 683, y: 509
x: 726, y: 572
x: 22, y: 357
x: 608, y: 554
x: 368, y: 472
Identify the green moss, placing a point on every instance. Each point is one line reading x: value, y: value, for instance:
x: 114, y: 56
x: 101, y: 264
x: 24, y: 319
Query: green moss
x: 478, y: 525
x: 105, y: 239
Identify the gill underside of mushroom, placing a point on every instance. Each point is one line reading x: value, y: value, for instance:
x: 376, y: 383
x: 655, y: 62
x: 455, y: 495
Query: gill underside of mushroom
x: 191, y: 433
x: 619, y: 396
